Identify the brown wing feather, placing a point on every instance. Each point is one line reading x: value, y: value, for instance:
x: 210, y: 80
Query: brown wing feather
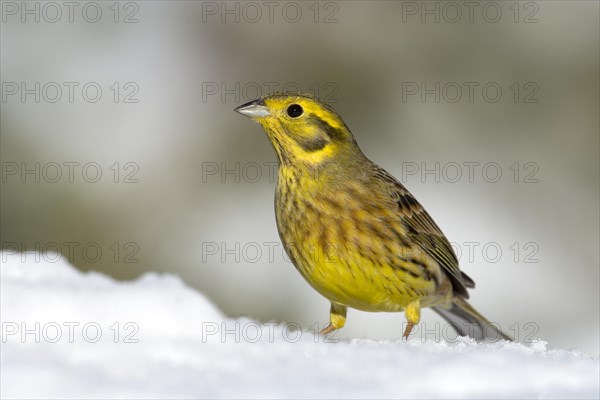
x: 425, y: 233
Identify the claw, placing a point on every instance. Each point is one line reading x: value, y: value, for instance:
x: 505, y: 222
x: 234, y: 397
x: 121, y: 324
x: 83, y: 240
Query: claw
x: 409, y: 327
x: 327, y: 330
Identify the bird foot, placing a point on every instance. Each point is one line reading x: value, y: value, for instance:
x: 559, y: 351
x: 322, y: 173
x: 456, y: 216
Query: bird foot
x: 327, y: 330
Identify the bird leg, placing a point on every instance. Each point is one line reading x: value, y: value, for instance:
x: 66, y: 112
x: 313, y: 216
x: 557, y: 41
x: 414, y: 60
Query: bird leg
x: 337, y: 319
x: 413, y: 315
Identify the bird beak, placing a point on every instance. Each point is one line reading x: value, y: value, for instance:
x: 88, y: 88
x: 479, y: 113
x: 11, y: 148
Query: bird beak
x: 254, y: 109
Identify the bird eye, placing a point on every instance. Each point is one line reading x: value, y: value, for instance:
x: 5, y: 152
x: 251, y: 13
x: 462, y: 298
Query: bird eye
x: 295, y: 110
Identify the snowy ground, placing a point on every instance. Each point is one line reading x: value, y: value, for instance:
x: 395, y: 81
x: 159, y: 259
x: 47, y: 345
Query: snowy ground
x: 67, y: 334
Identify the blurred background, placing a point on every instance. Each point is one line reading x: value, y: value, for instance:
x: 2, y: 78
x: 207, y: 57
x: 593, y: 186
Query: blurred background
x: 120, y: 149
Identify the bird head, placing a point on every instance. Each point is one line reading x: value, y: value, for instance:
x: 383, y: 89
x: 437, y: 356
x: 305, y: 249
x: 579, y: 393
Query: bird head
x: 302, y: 129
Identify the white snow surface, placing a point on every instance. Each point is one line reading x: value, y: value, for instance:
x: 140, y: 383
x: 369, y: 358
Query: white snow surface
x: 68, y: 334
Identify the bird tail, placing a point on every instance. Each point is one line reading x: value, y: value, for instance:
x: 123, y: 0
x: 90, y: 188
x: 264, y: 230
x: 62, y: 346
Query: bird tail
x: 468, y: 322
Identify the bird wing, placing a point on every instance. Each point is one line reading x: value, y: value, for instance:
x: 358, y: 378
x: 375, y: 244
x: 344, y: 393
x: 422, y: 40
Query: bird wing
x: 425, y: 233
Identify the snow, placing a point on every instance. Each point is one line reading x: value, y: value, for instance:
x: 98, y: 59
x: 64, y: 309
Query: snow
x: 68, y: 334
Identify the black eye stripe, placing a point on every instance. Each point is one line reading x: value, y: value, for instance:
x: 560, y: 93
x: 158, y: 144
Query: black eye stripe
x: 313, y: 144
x: 333, y: 133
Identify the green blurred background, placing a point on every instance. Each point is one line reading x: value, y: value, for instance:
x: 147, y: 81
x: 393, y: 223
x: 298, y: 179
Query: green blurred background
x: 186, y: 186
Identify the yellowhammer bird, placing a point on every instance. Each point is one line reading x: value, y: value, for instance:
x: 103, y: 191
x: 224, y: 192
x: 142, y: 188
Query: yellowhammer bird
x: 353, y: 231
